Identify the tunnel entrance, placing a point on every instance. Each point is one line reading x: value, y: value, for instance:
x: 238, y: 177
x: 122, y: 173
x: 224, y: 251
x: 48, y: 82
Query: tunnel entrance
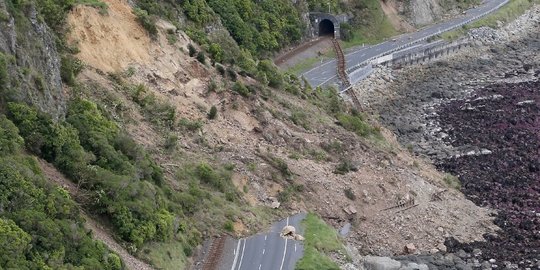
x: 326, y: 28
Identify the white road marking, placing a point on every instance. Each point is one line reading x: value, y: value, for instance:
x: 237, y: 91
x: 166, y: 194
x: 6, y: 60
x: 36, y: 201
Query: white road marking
x: 242, y: 257
x: 265, y: 237
x: 284, y: 250
x: 264, y: 249
x: 260, y: 265
x: 294, y: 247
x: 236, y: 254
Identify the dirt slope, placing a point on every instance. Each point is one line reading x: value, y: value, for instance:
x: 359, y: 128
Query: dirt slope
x: 252, y: 133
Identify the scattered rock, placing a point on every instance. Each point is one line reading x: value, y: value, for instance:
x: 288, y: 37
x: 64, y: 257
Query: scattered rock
x: 381, y: 263
x: 410, y: 249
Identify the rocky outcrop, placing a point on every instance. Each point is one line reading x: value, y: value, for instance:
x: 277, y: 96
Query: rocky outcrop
x: 33, y: 60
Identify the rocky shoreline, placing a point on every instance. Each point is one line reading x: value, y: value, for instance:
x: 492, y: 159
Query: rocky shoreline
x: 475, y: 115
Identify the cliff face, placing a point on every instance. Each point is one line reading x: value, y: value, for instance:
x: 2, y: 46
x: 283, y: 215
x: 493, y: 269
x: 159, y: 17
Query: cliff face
x: 33, y: 62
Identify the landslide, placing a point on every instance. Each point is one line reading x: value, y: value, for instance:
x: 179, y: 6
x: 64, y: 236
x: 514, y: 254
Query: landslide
x: 300, y: 147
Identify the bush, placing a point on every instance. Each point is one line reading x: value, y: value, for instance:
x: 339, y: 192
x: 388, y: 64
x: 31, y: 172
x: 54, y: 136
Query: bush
x: 10, y: 141
x: 232, y: 74
x: 356, y: 123
x: 344, y: 167
x: 241, y: 89
x: 147, y: 21
x: 70, y: 68
x: 452, y: 181
x: 4, y: 77
x: 269, y: 71
x: 201, y: 58
x: 213, y: 113
x: 216, y: 52
x: 191, y: 50
x: 220, y: 69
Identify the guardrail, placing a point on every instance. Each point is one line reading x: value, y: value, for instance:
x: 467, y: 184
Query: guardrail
x: 427, y: 54
x: 427, y: 36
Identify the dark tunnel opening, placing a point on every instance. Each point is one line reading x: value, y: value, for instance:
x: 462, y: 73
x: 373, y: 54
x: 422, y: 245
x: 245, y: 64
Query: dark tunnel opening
x: 326, y: 28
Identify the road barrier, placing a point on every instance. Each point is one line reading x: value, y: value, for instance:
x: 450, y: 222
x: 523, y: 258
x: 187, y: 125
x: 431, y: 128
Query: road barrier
x: 362, y: 64
x: 431, y: 53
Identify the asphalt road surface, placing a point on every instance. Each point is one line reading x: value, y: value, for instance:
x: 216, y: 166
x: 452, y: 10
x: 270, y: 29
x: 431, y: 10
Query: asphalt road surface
x: 325, y: 73
x: 267, y: 251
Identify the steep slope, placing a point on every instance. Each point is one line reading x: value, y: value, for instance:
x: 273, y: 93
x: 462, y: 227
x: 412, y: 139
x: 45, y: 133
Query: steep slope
x: 279, y: 146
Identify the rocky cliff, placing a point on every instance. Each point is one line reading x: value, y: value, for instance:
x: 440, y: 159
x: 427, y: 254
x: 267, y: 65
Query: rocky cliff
x: 32, y: 60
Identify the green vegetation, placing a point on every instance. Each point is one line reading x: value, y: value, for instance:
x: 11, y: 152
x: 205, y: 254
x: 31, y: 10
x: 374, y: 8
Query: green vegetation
x: 370, y: 25
x: 147, y: 21
x: 40, y: 225
x: 452, y: 181
x: 321, y: 240
x: 212, y: 114
x: 261, y: 27
x: 505, y: 14
x: 355, y: 122
x: 344, y: 167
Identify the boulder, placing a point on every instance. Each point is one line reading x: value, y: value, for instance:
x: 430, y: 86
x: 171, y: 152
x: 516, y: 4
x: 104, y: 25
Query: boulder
x: 381, y: 263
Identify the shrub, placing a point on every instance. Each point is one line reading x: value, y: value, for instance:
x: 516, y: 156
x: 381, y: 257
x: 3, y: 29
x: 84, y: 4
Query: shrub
x: 452, y: 181
x: 191, y: 50
x: 344, y: 167
x: 216, y: 52
x: 4, y: 77
x: 171, y: 141
x: 147, y: 21
x: 220, y: 69
x: 241, y: 89
x: 228, y: 226
x: 232, y: 74
x: 213, y: 113
x: 189, y: 124
x: 70, y: 68
x: 201, y: 58
x: 10, y: 141
x: 357, y: 124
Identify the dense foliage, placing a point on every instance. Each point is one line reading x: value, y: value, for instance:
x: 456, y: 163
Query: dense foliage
x: 121, y: 180
x: 260, y: 26
x: 40, y: 226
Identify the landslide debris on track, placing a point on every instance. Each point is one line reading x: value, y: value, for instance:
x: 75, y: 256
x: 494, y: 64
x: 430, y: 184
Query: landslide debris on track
x: 278, y: 146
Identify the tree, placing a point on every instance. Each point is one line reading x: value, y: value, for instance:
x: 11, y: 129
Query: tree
x: 14, y: 242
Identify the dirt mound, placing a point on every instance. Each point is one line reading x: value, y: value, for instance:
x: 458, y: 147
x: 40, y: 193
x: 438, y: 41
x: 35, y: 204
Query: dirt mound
x: 109, y: 42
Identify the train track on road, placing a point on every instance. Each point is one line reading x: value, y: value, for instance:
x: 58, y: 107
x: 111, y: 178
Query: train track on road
x: 342, y: 74
x: 214, y: 254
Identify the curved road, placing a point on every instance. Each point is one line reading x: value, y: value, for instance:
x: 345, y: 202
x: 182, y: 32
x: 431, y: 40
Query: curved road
x: 325, y: 73
x: 267, y: 251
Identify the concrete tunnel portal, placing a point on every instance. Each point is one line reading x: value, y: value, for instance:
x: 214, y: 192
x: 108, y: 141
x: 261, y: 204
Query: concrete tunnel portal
x: 325, y: 24
x: 326, y: 28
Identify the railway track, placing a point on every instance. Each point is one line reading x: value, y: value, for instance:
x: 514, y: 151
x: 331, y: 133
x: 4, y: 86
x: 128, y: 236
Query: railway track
x: 342, y: 75
x: 214, y: 254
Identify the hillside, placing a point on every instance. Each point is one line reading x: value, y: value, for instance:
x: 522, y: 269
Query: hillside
x: 172, y: 135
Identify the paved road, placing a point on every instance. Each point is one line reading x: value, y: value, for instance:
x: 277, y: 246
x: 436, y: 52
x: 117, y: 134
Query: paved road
x: 268, y: 251
x: 325, y: 73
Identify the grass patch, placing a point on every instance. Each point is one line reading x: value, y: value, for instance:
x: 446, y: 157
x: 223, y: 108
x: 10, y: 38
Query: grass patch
x: 97, y: 4
x: 169, y: 255
x: 505, y: 14
x: 307, y: 63
x: 321, y: 240
x: 452, y: 181
x: 355, y: 122
x: 373, y: 25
